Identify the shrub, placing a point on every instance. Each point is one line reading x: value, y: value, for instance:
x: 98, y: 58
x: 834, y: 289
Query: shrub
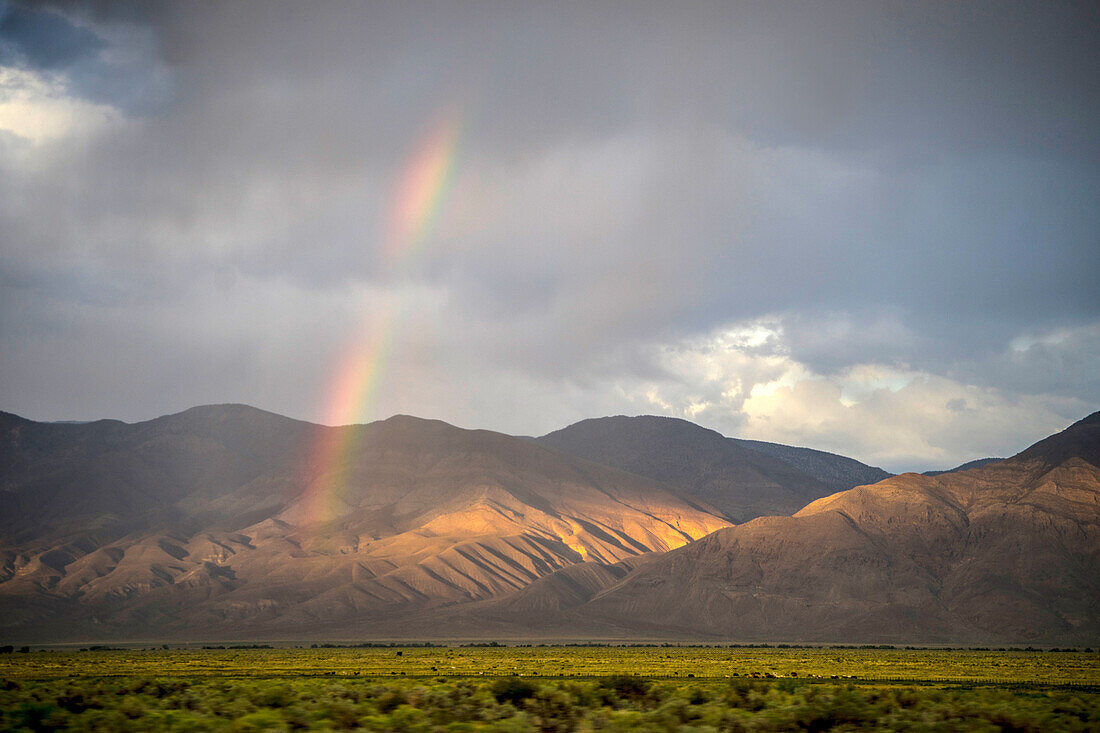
x: 626, y: 686
x: 513, y: 689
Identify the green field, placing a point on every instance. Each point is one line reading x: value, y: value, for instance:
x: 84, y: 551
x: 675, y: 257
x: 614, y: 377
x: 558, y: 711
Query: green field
x: 1016, y: 667
x: 550, y: 688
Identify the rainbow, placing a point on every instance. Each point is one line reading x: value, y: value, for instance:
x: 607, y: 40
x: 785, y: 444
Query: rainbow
x: 420, y: 192
x: 418, y: 198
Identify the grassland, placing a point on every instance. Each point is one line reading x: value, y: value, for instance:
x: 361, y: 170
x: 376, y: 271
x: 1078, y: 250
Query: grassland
x: 923, y: 666
x: 549, y: 688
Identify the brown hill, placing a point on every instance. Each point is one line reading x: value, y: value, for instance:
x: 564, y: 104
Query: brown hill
x: 741, y: 482
x: 1007, y: 552
x: 228, y: 521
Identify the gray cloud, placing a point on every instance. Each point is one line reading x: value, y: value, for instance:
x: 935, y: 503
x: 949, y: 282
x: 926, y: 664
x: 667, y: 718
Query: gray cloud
x: 908, y: 186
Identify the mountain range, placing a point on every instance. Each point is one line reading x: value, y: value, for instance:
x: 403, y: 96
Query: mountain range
x: 228, y: 522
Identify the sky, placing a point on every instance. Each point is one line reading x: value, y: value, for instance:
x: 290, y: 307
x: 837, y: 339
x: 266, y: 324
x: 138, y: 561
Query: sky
x: 869, y: 228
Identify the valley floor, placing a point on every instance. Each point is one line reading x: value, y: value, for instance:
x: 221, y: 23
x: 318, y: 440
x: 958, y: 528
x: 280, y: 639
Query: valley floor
x: 549, y: 688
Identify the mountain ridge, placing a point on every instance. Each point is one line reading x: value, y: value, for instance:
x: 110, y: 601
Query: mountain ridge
x: 832, y: 469
x: 741, y: 482
x: 234, y: 523
x: 1006, y: 551
x: 247, y: 518
x: 976, y: 463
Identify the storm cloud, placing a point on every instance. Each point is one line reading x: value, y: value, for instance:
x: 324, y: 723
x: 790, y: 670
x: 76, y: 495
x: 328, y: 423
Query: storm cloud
x: 871, y: 228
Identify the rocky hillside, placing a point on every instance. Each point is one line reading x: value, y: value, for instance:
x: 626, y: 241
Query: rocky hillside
x: 1007, y: 552
x: 227, y: 519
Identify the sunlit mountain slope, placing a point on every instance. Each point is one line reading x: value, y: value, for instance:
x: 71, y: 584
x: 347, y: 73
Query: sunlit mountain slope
x: 1009, y: 552
x: 227, y: 518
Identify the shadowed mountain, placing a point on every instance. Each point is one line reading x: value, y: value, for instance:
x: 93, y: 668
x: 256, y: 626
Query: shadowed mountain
x: 836, y: 472
x: 205, y: 464
x: 741, y: 482
x: 976, y: 463
x: 1007, y: 552
x: 226, y: 519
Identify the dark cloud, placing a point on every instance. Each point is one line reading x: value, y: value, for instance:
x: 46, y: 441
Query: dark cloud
x: 43, y: 39
x: 116, y: 61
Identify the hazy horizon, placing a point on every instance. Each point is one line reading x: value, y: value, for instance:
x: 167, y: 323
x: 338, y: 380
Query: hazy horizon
x: 866, y: 228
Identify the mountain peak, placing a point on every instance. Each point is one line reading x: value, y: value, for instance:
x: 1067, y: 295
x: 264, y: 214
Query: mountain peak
x: 1079, y: 440
x: 225, y: 411
x: 703, y: 463
x: 403, y: 421
x: 636, y: 424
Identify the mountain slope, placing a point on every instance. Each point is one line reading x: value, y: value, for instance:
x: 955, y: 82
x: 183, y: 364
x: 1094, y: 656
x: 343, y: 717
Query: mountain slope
x: 976, y: 463
x: 51, y: 472
x: 1007, y: 552
x: 740, y: 482
x: 836, y: 472
x: 228, y: 520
